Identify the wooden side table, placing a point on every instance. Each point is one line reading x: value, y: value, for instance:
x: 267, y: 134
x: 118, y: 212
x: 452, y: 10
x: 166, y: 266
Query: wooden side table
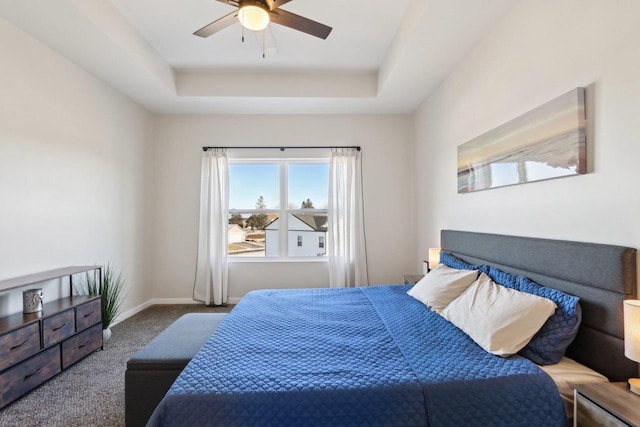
x: 605, y: 404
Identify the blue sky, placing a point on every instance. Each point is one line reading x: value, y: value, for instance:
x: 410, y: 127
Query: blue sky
x: 247, y: 182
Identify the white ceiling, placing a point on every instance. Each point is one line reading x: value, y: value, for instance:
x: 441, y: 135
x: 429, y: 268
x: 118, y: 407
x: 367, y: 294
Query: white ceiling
x: 168, y: 25
x: 381, y: 59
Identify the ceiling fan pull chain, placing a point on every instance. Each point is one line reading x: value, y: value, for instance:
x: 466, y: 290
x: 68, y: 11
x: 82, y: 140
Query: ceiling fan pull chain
x: 263, y: 42
x: 241, y: 15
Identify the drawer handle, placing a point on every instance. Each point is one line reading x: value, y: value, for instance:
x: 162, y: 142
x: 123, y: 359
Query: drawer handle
x: 32, y: 374
x: 19, y: 345
x: 59, y: 327
x: 88, y: 314
x: 84, y: 345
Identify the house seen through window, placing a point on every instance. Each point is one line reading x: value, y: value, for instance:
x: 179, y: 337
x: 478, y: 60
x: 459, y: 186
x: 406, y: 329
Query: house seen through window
x: 278, y: 208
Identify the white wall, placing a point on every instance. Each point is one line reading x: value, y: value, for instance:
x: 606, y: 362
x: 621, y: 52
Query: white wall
x: 76, y: 188
x: 541, y: 49
x: 72, y: 170
x: 386, y: 142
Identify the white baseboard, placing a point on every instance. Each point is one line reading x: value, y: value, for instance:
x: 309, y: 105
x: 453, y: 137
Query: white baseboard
x: 160, y: 301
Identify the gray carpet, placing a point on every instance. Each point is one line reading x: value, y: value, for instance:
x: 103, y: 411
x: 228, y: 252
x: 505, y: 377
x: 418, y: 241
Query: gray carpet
x: 91, y: 393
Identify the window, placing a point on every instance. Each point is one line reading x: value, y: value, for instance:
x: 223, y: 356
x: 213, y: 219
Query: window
x: 275, y: 205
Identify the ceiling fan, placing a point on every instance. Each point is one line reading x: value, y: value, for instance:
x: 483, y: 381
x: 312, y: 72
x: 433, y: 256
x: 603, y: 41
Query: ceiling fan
x: 255, y: 15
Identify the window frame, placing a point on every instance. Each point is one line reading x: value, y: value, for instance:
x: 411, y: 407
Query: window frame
x: 283, y: 212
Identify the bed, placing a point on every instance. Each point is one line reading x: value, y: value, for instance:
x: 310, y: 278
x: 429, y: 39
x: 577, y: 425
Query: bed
x: 376, y: 356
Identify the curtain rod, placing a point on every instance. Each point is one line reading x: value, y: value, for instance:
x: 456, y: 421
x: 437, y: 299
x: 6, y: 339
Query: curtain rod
x: 282, y: 148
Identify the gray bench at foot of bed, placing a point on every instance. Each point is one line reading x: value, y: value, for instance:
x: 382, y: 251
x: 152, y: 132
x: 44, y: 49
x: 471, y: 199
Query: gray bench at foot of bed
x: 153, y: 369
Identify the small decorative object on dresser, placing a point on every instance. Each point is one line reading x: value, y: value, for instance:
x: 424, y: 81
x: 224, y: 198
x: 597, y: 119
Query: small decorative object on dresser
x: 605, y: 404
x: 32, y: 301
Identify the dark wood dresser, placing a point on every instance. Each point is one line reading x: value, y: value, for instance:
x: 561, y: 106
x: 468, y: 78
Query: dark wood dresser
x: 35, y: 347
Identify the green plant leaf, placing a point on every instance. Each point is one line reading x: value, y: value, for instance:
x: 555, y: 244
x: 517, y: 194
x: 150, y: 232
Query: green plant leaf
x: 112, y: 287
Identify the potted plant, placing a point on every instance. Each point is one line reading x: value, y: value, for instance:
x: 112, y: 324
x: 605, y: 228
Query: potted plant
x: 112, y: 295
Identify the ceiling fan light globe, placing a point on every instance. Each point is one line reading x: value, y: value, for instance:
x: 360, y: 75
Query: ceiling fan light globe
x: 253, y: 18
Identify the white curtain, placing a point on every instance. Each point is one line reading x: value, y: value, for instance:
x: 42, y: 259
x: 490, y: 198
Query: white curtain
x: 211, y: 282
x: 346, y: 240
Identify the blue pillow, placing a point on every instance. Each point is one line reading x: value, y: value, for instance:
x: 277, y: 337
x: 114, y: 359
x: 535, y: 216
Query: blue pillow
x: 507, y: 280
x: 454, y: 262
x: 548, y: 345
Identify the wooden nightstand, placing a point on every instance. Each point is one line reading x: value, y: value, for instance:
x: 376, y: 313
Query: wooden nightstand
x: 411, y: 278
x: 605, y: 404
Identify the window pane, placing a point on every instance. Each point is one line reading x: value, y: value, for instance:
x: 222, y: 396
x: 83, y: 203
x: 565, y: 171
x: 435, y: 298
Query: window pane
x: 304, y: 233
x: 308, y: 186
x: 254, y: 186
x: 252, y: 235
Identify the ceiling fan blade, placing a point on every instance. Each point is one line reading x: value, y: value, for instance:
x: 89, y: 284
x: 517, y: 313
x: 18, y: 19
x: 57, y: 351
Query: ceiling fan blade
x: 217, y: 25
x: 266, y: 42
x: 273, y: 4
x: 300, y: 23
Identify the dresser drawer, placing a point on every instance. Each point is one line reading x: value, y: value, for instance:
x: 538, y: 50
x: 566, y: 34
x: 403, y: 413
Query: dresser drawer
x: 27, y: 375
x: 58, y: 327
x: 88, y: 314
x: 77, y: 347
x: 19, y: 345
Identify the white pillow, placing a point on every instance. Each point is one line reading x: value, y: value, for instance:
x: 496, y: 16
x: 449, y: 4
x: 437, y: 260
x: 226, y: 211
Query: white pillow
x: 441, y: 286
x: 499, y: 319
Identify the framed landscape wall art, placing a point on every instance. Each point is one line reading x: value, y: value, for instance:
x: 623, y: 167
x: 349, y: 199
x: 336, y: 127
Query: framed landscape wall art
x: 548, y: 142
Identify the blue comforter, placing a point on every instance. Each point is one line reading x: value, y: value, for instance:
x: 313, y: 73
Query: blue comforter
x: 363, y: 356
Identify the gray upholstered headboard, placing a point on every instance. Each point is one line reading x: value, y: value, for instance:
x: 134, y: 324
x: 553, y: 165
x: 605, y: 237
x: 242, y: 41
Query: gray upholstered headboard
x: 601, y: 275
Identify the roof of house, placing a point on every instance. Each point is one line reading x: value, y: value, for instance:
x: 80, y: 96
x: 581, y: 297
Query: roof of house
x: 236, y: 226
x: 316, y: 221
